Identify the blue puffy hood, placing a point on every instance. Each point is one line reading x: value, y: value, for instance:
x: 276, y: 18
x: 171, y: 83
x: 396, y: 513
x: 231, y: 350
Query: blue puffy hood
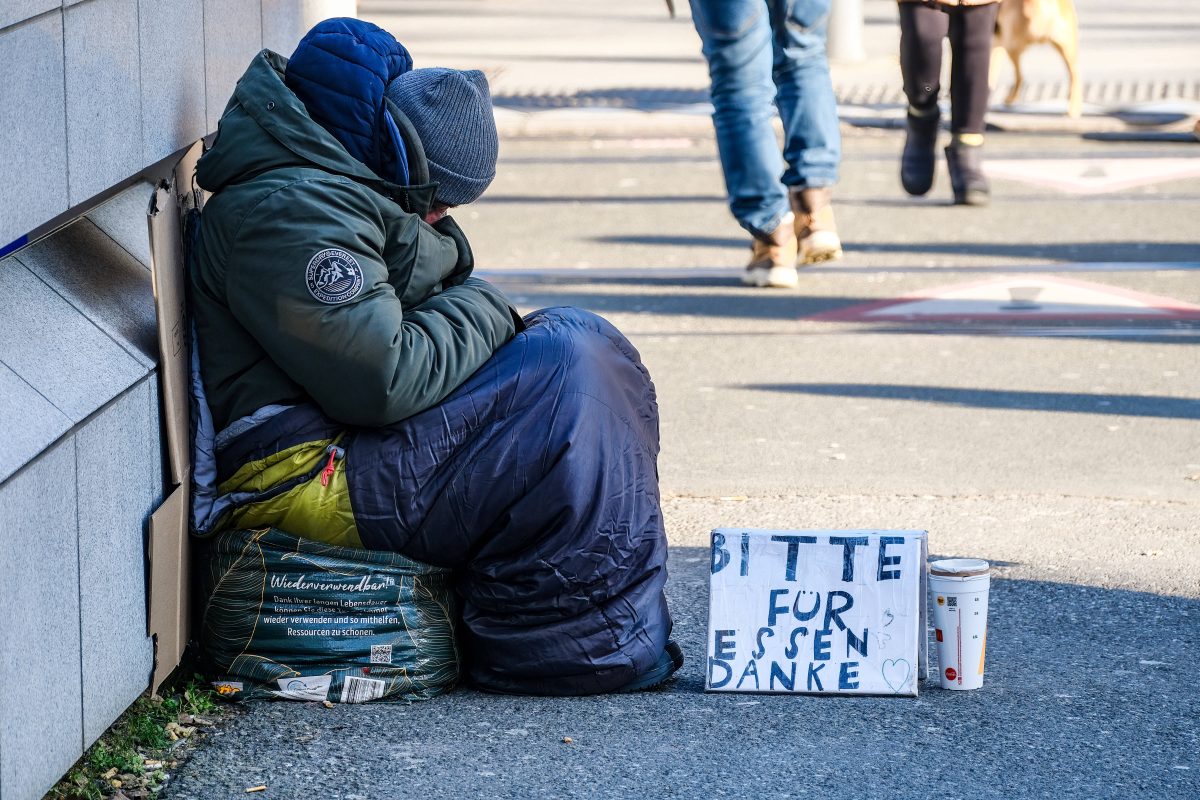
x: 339, y: 71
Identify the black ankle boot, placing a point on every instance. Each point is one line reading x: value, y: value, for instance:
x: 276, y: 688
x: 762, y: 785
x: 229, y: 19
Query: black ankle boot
x: 920, y: 151
x: 967, y: 180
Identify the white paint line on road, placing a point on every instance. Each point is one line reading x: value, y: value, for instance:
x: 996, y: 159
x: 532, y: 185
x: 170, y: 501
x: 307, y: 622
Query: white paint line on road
x: 1034, y: 297
x: 1093, y: 175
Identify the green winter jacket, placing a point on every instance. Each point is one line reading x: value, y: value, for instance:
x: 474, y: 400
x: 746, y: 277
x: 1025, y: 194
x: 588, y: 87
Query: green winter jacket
x: 315, y: 279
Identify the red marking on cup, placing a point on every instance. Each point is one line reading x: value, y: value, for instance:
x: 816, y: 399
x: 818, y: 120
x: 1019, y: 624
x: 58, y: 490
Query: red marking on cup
x: 951, y: 674
x: 938, y: 633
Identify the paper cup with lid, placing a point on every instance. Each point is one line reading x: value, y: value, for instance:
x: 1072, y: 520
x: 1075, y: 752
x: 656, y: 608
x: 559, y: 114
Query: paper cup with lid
x: 958, y: 597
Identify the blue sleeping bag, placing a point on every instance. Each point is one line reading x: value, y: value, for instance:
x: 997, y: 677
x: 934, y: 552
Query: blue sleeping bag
x: 536, y: 482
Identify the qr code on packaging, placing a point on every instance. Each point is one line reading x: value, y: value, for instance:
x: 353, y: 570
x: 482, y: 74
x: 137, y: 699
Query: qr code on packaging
x: 381, y: 654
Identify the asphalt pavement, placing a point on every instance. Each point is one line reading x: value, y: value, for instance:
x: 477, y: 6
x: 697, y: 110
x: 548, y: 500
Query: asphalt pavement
x: 1050, y: 427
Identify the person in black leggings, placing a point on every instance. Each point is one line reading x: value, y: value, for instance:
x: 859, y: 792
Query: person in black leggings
x: 970, y: 24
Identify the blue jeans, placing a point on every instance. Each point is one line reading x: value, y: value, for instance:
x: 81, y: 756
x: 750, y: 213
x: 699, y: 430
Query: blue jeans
x: 763, y: 55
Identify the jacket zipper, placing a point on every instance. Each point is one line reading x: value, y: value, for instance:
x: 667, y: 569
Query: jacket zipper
x: 335, y: 453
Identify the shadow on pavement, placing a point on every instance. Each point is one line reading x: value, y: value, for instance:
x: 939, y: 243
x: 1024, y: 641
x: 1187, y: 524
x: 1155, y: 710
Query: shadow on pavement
x: 564, y: 199
x: 641, y: 98
x: 1133, y: 251
x: 1181, y: 137
x: 658, y: 240
x: 724, y: 278
x: 737, y: 303
x: 638, y: 157
x: 623, y: 58
x: 1125, y: 405
x: 1089, y: 693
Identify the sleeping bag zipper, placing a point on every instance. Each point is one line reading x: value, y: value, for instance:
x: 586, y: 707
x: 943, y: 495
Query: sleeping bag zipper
x: 335, y: 453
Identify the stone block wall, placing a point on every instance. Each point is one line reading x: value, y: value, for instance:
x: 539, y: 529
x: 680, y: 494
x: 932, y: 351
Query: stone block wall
x: 96, y: 96
x: 94, y: 91
x: 81, y: 469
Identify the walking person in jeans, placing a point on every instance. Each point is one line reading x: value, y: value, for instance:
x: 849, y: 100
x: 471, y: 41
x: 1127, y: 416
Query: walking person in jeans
x: 765, y: 55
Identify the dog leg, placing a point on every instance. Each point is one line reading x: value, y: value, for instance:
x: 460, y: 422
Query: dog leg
x: 993, y: 63
x: 1068, y: 48
x: 1015, y: 91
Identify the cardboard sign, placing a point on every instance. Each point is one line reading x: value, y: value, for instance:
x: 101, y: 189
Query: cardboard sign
x: 816, y: 612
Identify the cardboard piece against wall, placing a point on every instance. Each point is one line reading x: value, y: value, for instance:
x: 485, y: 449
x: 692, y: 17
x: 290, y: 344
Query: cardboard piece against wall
x: 169, y: 589
x: 170, y: 199
x: 817, y: 612
x: 168, y: 615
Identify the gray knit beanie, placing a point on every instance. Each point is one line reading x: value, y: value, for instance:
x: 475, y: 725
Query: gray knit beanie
x: 452, y: 113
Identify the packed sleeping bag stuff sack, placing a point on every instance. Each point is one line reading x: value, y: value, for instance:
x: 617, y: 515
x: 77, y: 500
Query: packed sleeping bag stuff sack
x: 291, y: 618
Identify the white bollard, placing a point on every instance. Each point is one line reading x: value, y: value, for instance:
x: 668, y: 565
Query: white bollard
x: 845, y: 42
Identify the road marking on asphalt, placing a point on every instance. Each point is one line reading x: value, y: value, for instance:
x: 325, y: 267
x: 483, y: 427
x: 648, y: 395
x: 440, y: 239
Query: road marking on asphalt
x: 1025, y: 297
x: 1093, y: 175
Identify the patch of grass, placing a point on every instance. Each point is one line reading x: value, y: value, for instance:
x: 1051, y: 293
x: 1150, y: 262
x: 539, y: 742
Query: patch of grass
x: 80, y: 785
x: 145, y: 729
x: 150, y: 732
x: 121, y: 756
x: 199, y: 699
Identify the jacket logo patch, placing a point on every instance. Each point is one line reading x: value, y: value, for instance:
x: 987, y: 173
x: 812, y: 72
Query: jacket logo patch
x: 333, y: 276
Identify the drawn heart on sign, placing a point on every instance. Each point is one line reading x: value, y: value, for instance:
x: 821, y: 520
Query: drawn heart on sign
x: 896, y: 672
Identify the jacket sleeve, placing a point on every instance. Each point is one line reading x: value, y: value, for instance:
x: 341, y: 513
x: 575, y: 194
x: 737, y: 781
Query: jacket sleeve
x: 305, y: 276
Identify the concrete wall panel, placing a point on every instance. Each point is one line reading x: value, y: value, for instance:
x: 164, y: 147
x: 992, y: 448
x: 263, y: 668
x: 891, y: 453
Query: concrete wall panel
x: 104, y: 107
x: 232, y: 35
x: 123, y: 218
x: 173, y: 103
x: 282, y: 25
x: 286, y: 21
x: 158, y: 489
x: 14, y: 11
x: 56, y: 349
x: 40, y: 698
x: 33, y: 154
x: 94, y: 92
x: 107, y: 285
x: 29, y: 423
x: 119, y: 471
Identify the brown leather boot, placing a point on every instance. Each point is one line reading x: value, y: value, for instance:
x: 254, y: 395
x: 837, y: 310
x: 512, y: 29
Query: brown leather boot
x: 773, y: 260
x: 815, y: 228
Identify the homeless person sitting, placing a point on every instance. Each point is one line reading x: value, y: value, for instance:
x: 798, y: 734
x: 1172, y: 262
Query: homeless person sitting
x: 366, y: 391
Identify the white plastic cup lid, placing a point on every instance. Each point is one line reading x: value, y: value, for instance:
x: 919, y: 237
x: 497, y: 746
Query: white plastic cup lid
x: 959, y: 567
